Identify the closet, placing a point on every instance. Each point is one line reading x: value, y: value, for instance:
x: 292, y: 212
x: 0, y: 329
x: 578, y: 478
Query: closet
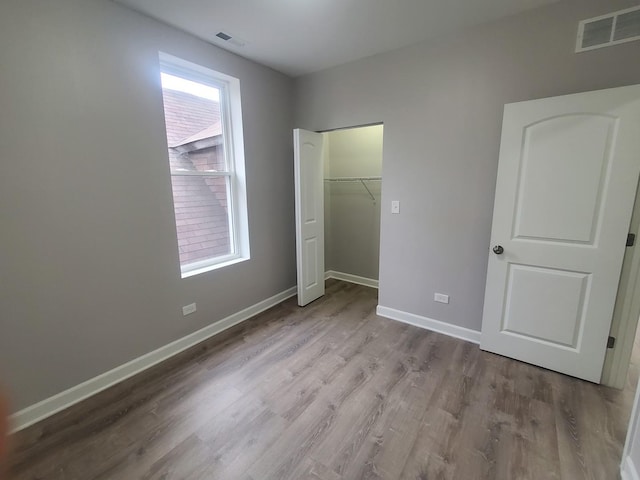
x: 352, y: 161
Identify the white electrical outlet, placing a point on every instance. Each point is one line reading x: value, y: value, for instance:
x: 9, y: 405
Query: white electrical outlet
x: 441, y: 298
x: 188, y: 309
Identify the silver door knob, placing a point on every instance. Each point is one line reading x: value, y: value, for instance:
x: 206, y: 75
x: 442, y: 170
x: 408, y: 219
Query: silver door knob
x: 498, y: 250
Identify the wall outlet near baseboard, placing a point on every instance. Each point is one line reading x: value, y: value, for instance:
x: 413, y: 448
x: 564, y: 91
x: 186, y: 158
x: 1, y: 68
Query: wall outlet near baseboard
x: 441, y: 298
x: 188, y: 309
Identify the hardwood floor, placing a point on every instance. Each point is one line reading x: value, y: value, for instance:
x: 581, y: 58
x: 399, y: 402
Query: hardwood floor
x: 333, y: 392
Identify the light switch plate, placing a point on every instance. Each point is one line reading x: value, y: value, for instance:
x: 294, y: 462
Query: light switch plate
x: 395, y: 206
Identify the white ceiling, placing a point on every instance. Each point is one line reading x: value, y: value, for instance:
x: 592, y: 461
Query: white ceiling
x: 303, y: 36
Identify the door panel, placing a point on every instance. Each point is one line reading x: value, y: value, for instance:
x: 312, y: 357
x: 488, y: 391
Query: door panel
x: 567, y: 177
x: 545, y: 304
x: 309, y: 197
x: 311, y: 253
x: 309, y: 186
x: 553, y: 151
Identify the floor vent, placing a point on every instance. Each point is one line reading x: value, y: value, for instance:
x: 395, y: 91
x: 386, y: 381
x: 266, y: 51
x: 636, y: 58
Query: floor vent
x: 607, y: 30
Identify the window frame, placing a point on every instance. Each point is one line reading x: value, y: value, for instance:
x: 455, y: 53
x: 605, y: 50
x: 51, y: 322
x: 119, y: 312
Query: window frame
x: 233, y: 150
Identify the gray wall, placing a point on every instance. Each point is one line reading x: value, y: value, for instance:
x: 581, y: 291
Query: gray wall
x: 441, y: 103
x: 89, y: 274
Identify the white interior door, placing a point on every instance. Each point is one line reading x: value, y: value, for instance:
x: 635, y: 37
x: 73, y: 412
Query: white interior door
x: 309, y: 192
x: 567, y: 178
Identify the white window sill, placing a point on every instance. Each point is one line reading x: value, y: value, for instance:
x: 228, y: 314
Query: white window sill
x: 215, y: 266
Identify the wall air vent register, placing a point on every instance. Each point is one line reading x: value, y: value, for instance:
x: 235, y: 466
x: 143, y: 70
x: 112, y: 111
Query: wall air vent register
x: 607, y: 30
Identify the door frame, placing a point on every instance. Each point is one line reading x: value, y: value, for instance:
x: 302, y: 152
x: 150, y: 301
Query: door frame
x: 330, y: 273
x: 626, y: 313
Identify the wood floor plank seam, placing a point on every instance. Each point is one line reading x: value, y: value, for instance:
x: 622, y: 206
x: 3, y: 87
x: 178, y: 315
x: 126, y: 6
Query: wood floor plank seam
x: 334, y: 392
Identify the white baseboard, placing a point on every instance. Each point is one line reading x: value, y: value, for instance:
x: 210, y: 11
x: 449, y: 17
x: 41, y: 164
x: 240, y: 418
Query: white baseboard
x: 347, y: 277
x: 73, y: 395
x: 462, y: 333
x: 628, y: 470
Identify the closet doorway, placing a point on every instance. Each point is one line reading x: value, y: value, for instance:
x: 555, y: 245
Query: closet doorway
x: 338, y: 181
x: 352, y: 188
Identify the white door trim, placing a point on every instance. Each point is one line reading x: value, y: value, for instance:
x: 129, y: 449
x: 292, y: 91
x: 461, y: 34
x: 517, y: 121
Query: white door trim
x: 626, y: 312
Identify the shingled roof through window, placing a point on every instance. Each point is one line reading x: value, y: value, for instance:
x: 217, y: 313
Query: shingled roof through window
x: 186, y: 115
x: 200, y: 203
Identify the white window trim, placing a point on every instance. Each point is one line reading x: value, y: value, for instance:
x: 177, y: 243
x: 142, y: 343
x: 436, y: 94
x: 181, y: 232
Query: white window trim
x: 233, y: 134
x: 221, y: 262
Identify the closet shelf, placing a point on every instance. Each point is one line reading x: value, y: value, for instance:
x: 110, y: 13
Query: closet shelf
x: 357, y: 179
x: 352, y: 179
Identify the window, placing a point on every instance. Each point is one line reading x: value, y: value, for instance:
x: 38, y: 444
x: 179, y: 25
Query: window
x: 203, y: 120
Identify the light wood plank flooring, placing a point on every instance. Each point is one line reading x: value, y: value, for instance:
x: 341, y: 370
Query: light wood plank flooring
x: 333, y: 392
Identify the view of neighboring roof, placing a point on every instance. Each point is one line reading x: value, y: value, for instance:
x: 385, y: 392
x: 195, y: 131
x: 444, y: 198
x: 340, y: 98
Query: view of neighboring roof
x: 209, y: 132
x: 194, y: 139
x: 189, y: 116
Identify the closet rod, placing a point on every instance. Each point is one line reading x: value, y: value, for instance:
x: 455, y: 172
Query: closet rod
x: 356, y: 179
x: 352, y: 179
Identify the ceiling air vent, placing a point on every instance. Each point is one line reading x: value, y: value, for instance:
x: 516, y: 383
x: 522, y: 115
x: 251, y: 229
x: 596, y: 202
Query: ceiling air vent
x: 607, y: 30
x: 233, y: 40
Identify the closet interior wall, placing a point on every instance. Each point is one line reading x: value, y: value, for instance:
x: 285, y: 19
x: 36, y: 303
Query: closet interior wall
x: 352, y: 209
